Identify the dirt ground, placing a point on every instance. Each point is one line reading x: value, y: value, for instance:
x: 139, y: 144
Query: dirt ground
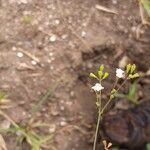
x: 45, y: 42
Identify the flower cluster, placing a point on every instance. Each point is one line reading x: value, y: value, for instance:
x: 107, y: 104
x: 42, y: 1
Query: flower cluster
x: 129, y: 73
x: 97, y: 87
x: 120, y: 73
x: 100, y: 75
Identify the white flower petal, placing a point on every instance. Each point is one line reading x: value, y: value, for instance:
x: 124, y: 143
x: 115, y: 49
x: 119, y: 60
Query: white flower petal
x: 120, y: 73
x: 97, y: 87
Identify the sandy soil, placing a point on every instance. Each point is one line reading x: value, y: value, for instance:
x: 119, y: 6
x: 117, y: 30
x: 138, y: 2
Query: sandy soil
x: 44, y: 42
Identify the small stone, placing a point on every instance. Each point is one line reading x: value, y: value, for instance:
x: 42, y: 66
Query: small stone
x: 23, y: 2
x: 114, y: 1
x: 40, y: 28
x: 52, y: 128
x: 89, y: 65
x: 51, y: 67
x: 52, y: 58
x: 63, y: 123
x: 148, y: 72
x: 51, y: 54
x: 43, y: 109
x: 54, y: 112
x: 33, y: 62
x: 69, y: 103
x: 123, y: 62
x: 24, y: 113
x: 83, y: 34
x: 62, y: 108
x: 57, y: 22
x: 53, y: 38
x: 133, y: 29
x: 64, y: 36
x: 5, y: 124
x: 72, y: 94
x: 22, y: 102
x: 84, y: 24
x: 49, y: 61
x: 14, y: 48
x: 20, y: 54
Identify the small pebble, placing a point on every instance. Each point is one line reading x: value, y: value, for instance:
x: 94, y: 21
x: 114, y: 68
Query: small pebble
x: 51, y: 54
x: 33, y: 62
x: 22, y: 1
x: 148, y: 72
x: 69, y: 103
x: 62, y: 108
x: 24, y: 113
x: 64, y: 36
x: 123, y: 62
x: 114, y: 1
x: 57, y: 22
x: 49, y: 61
x: 14, y: 48
x: 5, y: 124
x: 53, y: 38
x: 83, y: 34
x: 72, y: 94
x: 63, y: 123
x: 51, y: 67
x: 54, y: 113
x: 52, y: 58
x: 52, y: 128
x: 20, y: 54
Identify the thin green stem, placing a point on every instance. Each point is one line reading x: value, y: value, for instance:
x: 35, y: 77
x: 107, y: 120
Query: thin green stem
x: 121, y: 84
x: 98, y: 97
x: 96, y: 132
x: 115, y: 84
x: 101, y: 112
x: 110, y: 98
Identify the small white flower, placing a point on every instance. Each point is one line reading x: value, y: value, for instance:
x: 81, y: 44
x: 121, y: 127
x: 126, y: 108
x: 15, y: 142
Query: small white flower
x: 120, y: 73
x: 97, y: 87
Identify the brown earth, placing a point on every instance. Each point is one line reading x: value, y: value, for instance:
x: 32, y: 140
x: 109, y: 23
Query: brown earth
x: 66, y: 40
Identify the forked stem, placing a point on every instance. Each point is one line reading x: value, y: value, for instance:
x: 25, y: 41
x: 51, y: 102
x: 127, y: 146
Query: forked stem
x: 101, y: 110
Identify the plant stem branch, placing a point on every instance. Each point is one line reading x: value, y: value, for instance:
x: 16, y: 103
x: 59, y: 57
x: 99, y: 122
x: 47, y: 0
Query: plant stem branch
x: 98, y: 96
x: 96, y: 132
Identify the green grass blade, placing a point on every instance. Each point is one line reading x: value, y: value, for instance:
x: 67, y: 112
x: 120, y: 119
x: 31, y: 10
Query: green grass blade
x: 146, y: 5
x: 148, y: 146
x: 44, y: 99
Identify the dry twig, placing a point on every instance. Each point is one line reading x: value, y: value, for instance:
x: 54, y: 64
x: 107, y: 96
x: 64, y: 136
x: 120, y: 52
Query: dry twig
x: 102, y: 8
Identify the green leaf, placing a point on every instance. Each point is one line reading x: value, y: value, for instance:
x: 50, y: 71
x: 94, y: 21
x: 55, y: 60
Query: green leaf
x: 128, y: 68
x: 100, y: 74
x: 92, y: 75
x: 132, y: 76
x: 112, y: 96
x: 120, y: 95
x: 27, y: 19
x: 2, y: 96
x: 148, y: 146
x: 133, y: 67
x: 136, y: 75
x: 9, y: 130
x: 101, y: 68
x: 113, y: 91
x: 132, y: 94
x: 105, y: 75
x: 146, y: 5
